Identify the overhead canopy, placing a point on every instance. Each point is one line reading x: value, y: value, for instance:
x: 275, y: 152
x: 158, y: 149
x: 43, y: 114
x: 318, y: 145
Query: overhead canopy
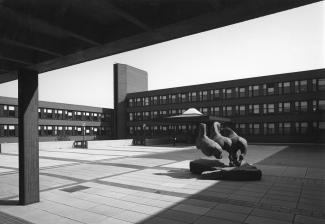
x: 192, y: 115
x: 49, y: 34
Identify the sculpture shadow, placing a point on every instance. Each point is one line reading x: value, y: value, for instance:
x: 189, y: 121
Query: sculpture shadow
x: 180, y: 174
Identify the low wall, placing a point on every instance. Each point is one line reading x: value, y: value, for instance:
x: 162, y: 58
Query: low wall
x: 13, y: 147
x: 101, y: 143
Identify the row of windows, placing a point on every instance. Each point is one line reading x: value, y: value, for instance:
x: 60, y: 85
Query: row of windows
x: 11, y: 130
x: 300, y: 86
x: 237, y: 110
x: 48, y: 113
x: 272, y: 128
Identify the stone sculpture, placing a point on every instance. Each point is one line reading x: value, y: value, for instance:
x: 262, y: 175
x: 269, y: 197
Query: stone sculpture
x: 238, y: 169
x: 223, y: 141
x: 238, y: 144
x: 206, y: 145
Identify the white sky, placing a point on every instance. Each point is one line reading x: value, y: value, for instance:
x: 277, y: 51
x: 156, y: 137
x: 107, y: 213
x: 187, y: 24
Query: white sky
x: 288, y: 41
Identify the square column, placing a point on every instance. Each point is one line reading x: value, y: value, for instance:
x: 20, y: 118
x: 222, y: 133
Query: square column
x: 28, y: 137
x: 127, y: 79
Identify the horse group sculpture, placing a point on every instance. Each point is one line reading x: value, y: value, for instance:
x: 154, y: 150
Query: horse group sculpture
x: 222, y: 139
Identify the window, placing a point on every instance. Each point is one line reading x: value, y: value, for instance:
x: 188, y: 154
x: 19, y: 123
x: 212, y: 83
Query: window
x: 256, y: 109
x: 228, y: 93
x: 215, y: 111
x: 69, y: 114
x: 286, y: 87
x: 314, y: 105
x: 87, y: 115
x: 163, y: 113
x: 154, y: 100
x: 60, y: 130
x: 284, y: 107
x: 87, y: 130
x: 215, y: 94
x: 183, y: 98
x: 173, y: 98
x: 270, y: 108
x: 139, y: 103
x: 301, y: 127
x: 204, y: 110
x: 301, y: 106
x: 131, y: 130
x: 78, y: 130
x: 146, y: 101
x: 242, y: 110
x: 242, y: 92
x: 78, y: 115
x: 131, y: 103
x: 95, y: 131
x: 270, y: 89
x: 228, y: 111
x: 193, y: 97
x: 242, y: 128
x: 154, y: 114
x: 9, y: 110
x: 255, y: 128
x: 285, y: 128
x: 163, y: 99
x: 301, y: 86
x: 256, y: 90
x: 321, y: 105
x: 131, y: 117
x: 173, y: 112
x: 58, y: 114
x: 314, y: 84
x: 39, y: 113
x: 321, y: 84
x: 9, y: 130
x: 146, y: 115
x: 203, y: 95
x: 95, y: 116
x: 269, y: 128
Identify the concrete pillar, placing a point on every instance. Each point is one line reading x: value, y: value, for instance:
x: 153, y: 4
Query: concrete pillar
x: 28, y: 137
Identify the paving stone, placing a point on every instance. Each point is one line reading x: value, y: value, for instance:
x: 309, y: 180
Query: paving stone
x: 258, y: 220
x: 191, y: 209
x: 180, y: 216
x: 210, y: 220
x: 273, y: 215
x: 130, y: 216
x: 113, y: 221
x: 228, y: 215
x: 308, y: 220
x: 106, y: 210
x: 159, y: 220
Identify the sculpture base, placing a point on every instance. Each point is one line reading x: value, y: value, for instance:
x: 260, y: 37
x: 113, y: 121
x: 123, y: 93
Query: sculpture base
x: 216, y: 170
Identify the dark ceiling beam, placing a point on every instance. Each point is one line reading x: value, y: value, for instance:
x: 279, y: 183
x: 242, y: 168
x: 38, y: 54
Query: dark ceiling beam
x: 29, y: 46
x: 183, y: 28
x: 3, y: 70
x: 41, y: 26
x: 19, y: 61
x: 125, y: 15
x: 7, y: 77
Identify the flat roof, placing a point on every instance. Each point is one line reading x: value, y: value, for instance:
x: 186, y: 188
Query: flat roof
x: 316, y: 73
x: 47, y: 35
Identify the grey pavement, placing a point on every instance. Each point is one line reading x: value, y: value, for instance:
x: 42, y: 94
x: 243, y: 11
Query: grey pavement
x: 143, y: 184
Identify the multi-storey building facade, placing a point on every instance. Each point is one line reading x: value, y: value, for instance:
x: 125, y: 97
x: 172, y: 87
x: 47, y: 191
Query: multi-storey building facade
x: 276, y: 108
x: 58, y: 121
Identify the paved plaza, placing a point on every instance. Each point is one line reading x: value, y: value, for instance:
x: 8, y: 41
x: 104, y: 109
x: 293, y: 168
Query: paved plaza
x: 144, y: 184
